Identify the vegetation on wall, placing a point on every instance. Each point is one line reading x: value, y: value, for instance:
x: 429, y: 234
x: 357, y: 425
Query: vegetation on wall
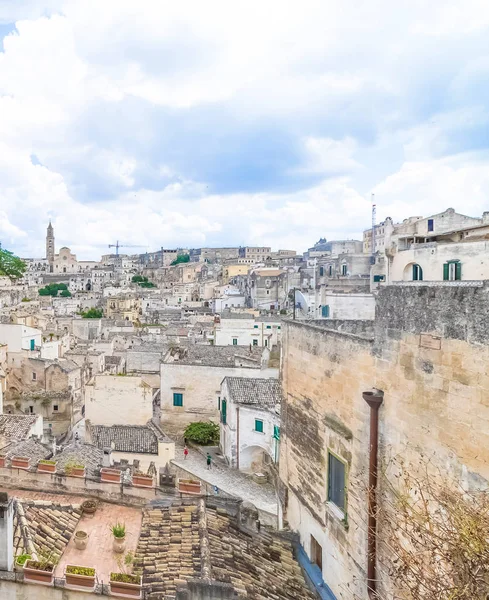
x: 204, y: 433
x: 436, y: 533
x: 53, y: 288
x: 92, y: 313
x: 143, y: 281
x: 183, y: 258
x: 10, y: 265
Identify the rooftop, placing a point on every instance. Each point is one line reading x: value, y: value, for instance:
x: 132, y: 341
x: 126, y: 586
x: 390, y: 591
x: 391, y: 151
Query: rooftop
x: 141, y: 439
x: 253, y: 390
x: 82, y: 454
x: 16, y: 427
x: 213, y: 356
x: 30, y: 448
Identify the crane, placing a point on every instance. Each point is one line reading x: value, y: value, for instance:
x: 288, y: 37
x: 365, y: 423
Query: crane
x: 117, y: 246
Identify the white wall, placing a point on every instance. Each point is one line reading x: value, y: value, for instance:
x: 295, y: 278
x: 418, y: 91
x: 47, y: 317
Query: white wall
x: 247, y: 330
x: 348, y: 306
x: 118, y: 400
x: 474, y: 257
x: 51, y: 350
x: 231, y: 301
x: 18, y: 337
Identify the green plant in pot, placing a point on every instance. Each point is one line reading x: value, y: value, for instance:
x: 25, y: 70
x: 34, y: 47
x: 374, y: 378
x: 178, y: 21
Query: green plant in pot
x: 124, y: 582
x: 119, y: 533
x: 21, y: 560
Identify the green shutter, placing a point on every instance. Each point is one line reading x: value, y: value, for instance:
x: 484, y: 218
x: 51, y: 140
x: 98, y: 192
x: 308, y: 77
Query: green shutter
x: 458, y: 271
x: 445, y: 272
x: 177, y: 399
x: 276, y: 432
x: 223, y: 411
x: 258, y: 426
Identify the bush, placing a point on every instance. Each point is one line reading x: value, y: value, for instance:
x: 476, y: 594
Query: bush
x: 137, y: 279
x: 52, y: 289
x: 203, y: 433
x: 66, y: 294
x: 183, y: 258
x: 147, y: 284
x: 25, y: 300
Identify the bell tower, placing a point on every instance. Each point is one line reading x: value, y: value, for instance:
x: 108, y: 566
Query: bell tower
x: 50, y: 244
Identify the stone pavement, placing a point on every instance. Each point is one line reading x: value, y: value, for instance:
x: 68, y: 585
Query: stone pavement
x: 230, y: 481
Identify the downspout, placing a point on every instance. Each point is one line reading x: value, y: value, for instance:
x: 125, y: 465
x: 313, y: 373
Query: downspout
x: 374, y: 399
x: 237, y: 438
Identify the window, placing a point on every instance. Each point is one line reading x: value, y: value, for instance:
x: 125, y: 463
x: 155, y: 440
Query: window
x: 55, y: 408
x: 235, y: 341
x: 255, y: 326
x: 278, y: 326
x: 321, y: 271
x: 269, y: 326
x: 276, y: 432
x: 258, y: 426
x: 316, y: 553
x: 177, y: 399
x: 379, y: 278
x: 266, y: 343
x: 255, y: 342
x: 330, y: 270
x: 431, y: 224
x: 417, y: 273
x: 224, y: 406
x: 336, y: 481
x: 268, y: 292
x: 34, y: 376
x: 33, y: 344
x: 344, y: 270
x: 219, y: 403
x: 452, y: 270
x: 325, y: 311
x: 31, y: 409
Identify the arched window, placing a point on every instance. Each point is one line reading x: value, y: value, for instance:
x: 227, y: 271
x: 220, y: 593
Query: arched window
x: 417, y: 273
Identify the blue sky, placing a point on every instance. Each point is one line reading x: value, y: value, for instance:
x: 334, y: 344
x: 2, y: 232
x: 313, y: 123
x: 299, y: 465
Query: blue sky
x: 220, y: 123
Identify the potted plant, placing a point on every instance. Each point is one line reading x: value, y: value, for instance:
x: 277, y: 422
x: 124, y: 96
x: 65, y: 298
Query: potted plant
x: 110, y: 475
x: 46, y: 466
x: 40, y: 571
x: 21, y: 560
x: 77, y: 576
x: 21, y: 462
x: 189, y: 486
x: 119, y: 533
x: 73, y: 469
x: 123, y: 583
x: 140, y: 479
x: 89, y: 507
x: 81, y: 539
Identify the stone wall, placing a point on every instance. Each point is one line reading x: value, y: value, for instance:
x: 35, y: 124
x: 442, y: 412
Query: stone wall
x: 429, y: 357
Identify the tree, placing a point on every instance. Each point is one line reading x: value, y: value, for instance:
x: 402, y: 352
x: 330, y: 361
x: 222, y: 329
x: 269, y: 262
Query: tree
x: 183, y: 258
x: 10, y: 265
x: 66, y: 294
x: 92, y: 313
x: 53, y: 288
x: 137, y: 278
x: 203, y: 433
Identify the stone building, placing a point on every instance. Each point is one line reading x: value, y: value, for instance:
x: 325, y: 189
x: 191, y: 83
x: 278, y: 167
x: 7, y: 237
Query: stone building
x: 426, y: 356
x: 191, y: 380
x: 244, y: 329
x: 254, y: 254
x: 250, y: 422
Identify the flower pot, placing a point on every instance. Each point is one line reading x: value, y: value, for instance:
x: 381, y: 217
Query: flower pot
x: 142, y: 480
x: 81, y: 540
x: 2, y: 461
x: 119, y: 545
x: 125, y: 590
x: 21, y: 462
x: 189, y: 486
x: 76, y: 472
x: 110, y: 475
x: 76, y: 581
x: 34, y: 574
x: 89, y: 507
x: 46, y: 468
x: 18, y: 566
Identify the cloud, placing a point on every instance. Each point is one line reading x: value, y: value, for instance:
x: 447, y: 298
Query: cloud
x: 218, y: 123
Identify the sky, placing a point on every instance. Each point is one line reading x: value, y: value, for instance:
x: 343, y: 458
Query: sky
x: 191, y: 124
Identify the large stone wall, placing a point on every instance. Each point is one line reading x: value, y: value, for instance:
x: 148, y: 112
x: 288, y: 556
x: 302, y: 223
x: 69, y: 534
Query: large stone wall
x: 429, y: 357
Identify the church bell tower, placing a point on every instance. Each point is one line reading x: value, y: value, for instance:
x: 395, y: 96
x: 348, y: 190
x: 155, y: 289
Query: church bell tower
x: 50, y: 244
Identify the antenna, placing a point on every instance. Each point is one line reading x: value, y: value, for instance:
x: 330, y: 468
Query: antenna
x: 374, y: 214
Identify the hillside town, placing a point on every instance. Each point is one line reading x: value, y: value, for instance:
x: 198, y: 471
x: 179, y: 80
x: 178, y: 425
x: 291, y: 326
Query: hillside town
x: 248, y: 422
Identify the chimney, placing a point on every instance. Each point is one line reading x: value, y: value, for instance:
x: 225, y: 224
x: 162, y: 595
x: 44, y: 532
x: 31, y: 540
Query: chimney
x: 107, y: 460
x: 6, y: 532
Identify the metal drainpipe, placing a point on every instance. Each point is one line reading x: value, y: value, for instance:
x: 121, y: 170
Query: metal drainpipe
x: 237, y: 438
x: 374, y: 399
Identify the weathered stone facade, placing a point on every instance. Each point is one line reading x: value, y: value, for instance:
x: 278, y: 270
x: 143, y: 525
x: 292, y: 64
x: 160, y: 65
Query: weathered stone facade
x: 428, y: 355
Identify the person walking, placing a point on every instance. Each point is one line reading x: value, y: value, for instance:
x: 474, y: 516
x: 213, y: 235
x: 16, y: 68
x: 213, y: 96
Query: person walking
x: 185, y: 453
x: 209, y: 461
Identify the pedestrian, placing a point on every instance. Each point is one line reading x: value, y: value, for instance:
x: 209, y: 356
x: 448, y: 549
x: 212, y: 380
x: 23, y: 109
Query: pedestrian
x: 209, y: 461
x: 185, y: 453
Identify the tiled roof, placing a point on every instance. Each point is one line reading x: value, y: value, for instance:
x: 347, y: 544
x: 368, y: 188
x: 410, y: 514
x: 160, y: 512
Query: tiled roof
x: 65, y: 365
x: 212, y: 356
x: 189, y: 541
x: 113, y: 360
x: 30, y: 448
x: 16, y: 427
x: 125, y: 438
x: 43, y: 527
x: 236, y: 315
x: 83, y: 454
x: 262, y: 392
